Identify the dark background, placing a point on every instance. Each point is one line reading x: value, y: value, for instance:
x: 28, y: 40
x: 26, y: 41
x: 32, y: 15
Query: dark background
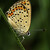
x: 38, y: 40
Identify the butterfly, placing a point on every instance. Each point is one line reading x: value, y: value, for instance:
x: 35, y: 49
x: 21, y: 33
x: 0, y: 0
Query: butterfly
x: 19, y: 16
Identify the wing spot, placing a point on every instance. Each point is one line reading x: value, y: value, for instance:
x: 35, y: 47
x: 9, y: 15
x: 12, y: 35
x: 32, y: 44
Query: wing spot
x: 18, y: 20
x: 27, y: 15
x: 24, y: 2
x: 24, y: 26
x: 13, y: 10
x: 12, y: 17
x: 20, y: 12
x: 22, y: 19
x: 9, y: 16
x: 13, y: 5
x: 24, y: 15
x: 15, y: 22
x: 21, y: 25
x: 16, y: 8
x: 28, y: 9
x: 27, y: 4
x: 25, y: 21
x: 17, y: 14
x: 24, y: 7
x: 19, y: 7
x: 11, y: 13
x: 24, y: 11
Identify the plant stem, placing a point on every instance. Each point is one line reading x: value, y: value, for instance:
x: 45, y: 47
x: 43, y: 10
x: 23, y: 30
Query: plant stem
x: 17, y: 39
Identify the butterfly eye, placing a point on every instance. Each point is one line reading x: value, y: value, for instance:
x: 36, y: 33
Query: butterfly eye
x: 28, y: 33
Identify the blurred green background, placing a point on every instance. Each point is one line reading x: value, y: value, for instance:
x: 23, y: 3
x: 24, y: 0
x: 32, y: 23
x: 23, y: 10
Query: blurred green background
x: 38, y: 40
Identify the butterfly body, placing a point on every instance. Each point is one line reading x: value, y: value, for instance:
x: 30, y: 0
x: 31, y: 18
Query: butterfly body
x: 19, y: 16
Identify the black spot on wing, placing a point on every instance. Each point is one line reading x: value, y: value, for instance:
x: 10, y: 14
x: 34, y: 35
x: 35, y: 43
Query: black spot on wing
x: 20, y: 12
x: 25, y: 21
x: 15, y: 14
x: 9, y: 16
x: 18, y: 20
x: 24, y: 16
x: 15, y: 22
x: 28, y: 9
x: 20, y: 25
x: 27, y: 15
x: 27, y: 4
x: 24, y: 26
x: 22, y: 19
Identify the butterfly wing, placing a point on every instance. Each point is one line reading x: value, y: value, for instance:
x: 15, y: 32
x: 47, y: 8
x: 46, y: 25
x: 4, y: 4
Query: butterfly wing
x: 27, y: 4
x: 19, y: 17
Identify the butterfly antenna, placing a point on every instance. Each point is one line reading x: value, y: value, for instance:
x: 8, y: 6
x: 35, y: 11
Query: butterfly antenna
x: 40, y: 30
x: 37, y: 30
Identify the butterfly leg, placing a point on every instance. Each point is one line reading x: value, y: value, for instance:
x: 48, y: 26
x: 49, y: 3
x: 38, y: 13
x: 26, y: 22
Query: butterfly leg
x: 22, y: 39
